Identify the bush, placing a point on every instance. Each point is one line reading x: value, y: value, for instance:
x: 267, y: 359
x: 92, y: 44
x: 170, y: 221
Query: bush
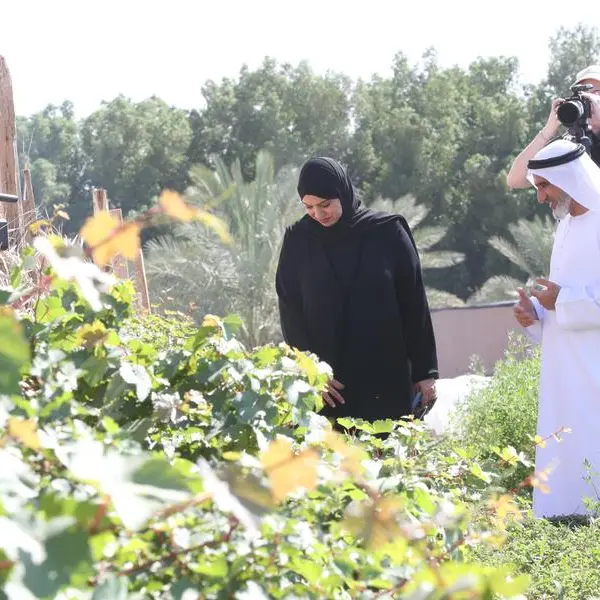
x: 504, y: 413
x: 148, y: 459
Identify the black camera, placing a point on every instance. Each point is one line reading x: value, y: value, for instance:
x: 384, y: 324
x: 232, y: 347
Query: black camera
x: 574, y: 113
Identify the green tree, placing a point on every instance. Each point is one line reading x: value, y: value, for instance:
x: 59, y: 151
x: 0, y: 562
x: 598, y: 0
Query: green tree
x: 288, y: 110
x: 136, y: 149
x: 203, y: 275
x: 50, y: 143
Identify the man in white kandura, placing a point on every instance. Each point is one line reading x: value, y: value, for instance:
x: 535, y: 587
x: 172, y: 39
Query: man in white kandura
x: 563, y: 315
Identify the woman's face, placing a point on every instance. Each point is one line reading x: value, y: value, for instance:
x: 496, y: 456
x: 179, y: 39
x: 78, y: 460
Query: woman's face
x: 325, y: 212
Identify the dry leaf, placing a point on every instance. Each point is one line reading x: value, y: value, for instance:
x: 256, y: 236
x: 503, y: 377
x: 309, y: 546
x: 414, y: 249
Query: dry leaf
x: 92, y: 334
x: 124, y: 242
x: 174, y: 206
x: 287, y: 471
x: 214, y: 223
x: 352, y: 456
x: 211, y: 321
x: 376, y: 524
x: 25, y: 432
x: 98, y: 228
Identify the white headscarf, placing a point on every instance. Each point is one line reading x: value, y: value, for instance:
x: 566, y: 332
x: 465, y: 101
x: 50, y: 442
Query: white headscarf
x: 579, y: 178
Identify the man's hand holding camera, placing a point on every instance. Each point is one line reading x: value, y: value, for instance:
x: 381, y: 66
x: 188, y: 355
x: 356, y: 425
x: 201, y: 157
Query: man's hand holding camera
x: 594, y: 121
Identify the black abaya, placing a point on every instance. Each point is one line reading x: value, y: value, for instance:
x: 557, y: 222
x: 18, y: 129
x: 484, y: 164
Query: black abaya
x: 355, y: 297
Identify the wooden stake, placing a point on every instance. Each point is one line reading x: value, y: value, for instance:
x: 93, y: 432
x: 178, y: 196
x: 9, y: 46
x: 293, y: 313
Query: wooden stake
x: 99, y: 200
x: 29, y: 208
x: 141, y: 284
x: 13, y: 213
x: 120, y: 266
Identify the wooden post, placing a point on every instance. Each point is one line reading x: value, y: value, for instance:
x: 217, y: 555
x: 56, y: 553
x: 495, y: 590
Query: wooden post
x: 99, y: 200
x: 120, y: 266
x: 13, y: 213
x: 29, y: 208
x: 119, y: 263
x: 141, y: 285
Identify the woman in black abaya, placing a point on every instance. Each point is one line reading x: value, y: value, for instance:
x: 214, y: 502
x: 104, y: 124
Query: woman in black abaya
x: 351, y: 291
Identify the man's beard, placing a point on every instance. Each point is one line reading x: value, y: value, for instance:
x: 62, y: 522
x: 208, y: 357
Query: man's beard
x: 563, y: 205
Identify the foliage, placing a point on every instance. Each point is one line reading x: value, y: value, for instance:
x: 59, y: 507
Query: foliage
x: 178, y: 463
x: 504, y: 412
x: 560, y: 558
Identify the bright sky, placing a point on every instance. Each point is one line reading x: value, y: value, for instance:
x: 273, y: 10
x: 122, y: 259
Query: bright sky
x: 58, y: 50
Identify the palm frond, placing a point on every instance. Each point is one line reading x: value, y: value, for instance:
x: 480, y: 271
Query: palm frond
x: 441, y: 259
x: 532, y: 245
x: 499, y: 288
x: 441, y: 299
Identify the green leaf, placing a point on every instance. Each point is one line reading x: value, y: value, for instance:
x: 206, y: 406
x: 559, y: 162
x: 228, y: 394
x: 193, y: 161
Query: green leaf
x: 5, y: 296
x: 386, y: 426
x: 138, y: 376
x: 183, y: 589
x: 480, y: 473
x: 508, y: 586
x: 67, y: 559
x: 216, y: 568
x: 137, y: 485
x: 14, y: 353
x: 232, y: 324
x: 424, y: 500
x: 114, y: 588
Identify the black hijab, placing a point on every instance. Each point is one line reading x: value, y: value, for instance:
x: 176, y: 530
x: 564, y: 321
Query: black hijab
x: 326, y: 178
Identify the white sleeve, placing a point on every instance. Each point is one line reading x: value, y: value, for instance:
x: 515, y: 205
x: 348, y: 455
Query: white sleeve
x: 578, y: 307
x: 534, y: 332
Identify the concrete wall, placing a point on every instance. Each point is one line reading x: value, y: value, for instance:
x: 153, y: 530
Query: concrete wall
x: 462, y: 333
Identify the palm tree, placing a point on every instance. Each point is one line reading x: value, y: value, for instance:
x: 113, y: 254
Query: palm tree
x: 200, y: 274
x: 426, y: 237
x: 530, y: 251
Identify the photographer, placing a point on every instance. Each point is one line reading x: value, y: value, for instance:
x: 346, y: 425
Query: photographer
x: 517, y: 176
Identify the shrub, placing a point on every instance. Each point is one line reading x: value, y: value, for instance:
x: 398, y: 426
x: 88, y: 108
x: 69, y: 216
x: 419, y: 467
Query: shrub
x: 148, y: 459
x: 504, y: 413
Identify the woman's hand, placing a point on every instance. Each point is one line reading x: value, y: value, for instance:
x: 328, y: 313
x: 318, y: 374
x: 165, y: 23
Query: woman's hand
x: 428, y: 390
x: 332, y: 394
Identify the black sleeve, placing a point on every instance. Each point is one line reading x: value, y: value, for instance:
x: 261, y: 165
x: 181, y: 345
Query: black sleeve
x: 289, y: 296
x: 414, y: 309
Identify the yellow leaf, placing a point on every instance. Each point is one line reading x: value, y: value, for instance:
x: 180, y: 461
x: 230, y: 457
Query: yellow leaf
x: 505, y: 506
x: 90, y: 335
x: 539, y: 441
x: 127, y: 240
x: 62, y: 214
x: 108, y: 243
x: 352, y: 456
x: 25, y: 432
x: 211, y: 321
x: 37, y: 225
x: 98, y: 228
x: 377, y: 523
x: 214, y: 223
x: 174, y: 206
x: 287, y: 471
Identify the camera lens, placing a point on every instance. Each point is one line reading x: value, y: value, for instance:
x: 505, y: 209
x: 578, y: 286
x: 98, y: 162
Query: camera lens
x: 570, y: 112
